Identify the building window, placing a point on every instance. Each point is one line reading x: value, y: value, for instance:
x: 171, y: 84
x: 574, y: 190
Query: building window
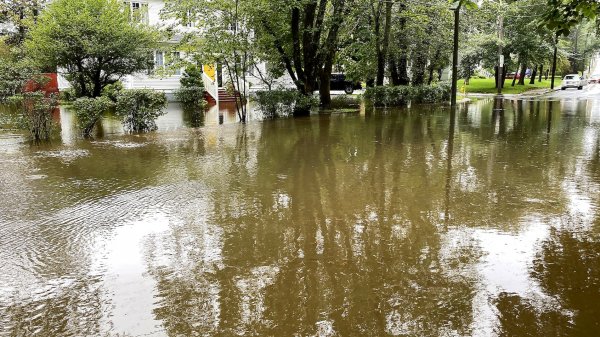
x: 176, y: 60
x: 138, y: 11
x: 189, y: 19
x: 159, y: 59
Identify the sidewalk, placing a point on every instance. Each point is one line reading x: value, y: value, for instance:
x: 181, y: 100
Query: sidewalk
x: 530, y: 93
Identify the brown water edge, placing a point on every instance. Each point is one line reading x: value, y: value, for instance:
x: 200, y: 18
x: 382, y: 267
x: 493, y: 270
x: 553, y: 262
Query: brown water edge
x: 375, y: 223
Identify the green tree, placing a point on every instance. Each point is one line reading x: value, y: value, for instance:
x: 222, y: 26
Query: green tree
x: 93, y: 42
x: 14, y: 72
x: 225, y: 39
x: 15, y: 15
x: 304, y: 34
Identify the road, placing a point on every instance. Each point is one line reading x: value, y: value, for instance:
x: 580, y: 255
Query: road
x: 591, y: 91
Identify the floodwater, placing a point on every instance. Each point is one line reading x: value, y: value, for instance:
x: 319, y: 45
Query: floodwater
x: 411, y: 222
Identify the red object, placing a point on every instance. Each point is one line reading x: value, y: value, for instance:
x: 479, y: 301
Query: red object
x: 51, y: 87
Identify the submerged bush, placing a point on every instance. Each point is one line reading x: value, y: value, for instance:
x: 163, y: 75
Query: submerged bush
x: 191, y: 96
x: 140, y: 109
x: 191, y: 92
x: 89, y: 111
x: 283, y: 102
x: 344, y: 101
x: 401, y: 95
x: 36, y: 110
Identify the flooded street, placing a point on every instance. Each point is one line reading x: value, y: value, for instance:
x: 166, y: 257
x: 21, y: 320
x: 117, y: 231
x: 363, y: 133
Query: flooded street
x: 410, y: 222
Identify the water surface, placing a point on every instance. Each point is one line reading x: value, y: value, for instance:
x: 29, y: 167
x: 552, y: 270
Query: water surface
x: 411, y: 222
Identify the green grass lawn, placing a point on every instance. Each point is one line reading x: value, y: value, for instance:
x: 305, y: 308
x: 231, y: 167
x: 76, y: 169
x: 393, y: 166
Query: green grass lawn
x: 487, y: 86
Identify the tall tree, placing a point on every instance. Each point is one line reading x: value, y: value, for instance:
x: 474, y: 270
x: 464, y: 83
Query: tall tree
x: 382, y: 18
x: 304, y: 34
x: 93, y: 42
x: 14, y: 17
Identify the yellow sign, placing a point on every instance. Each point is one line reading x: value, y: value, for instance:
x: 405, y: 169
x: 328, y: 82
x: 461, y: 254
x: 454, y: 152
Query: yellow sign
x: 210, y: 71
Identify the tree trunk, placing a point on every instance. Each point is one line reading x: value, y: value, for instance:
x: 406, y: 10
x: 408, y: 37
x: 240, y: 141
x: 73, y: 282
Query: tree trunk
x: 325, y: 86
x: 496, y: 76
x: 533, y: 75
x: 402, y: 66
x: 394, y: 75
x: 383, y: 47
x: 574, y: 58
x: 504, y: 72
x: 554, y: 62
x: 419, y: 65
x: 432, y: 66
x: 523, y: 72
x: 515, y: 77
x: 430, y: 75
x: 403, y: 70
x: 541, y: 72
x: 455, y: 58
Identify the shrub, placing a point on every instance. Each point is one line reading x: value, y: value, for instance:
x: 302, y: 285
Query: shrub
x: 283, y: 102
x: 431, y: 93
x: 67, y: 95
x: 344, y: 101
x: 191, y: 96
x: 191, y: 92
x: 113, y: 90
x: 37, y: 113
x: 401, y: 95
x: 192, y: 77
x: 89, y: 111
x: 305, y: 103
x: 389, y: 96
x: 140, y: 109
x: 13, y: 76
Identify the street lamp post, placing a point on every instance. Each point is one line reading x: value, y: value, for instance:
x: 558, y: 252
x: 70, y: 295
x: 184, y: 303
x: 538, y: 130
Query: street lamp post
x: 500, y: 53
x: 456, y: 9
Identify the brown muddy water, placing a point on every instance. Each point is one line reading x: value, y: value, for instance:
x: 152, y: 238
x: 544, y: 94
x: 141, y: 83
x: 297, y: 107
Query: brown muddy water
x: 410, y: 222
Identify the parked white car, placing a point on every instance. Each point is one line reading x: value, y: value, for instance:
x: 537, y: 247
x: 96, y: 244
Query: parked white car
x: 573, y: 81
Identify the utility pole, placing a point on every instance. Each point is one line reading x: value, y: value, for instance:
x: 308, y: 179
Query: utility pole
x: 554, y: 62
x: 500, y: 52
x: 455, y: 54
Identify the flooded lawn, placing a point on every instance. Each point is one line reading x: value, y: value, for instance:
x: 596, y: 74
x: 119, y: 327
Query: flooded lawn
x: 407, y: 222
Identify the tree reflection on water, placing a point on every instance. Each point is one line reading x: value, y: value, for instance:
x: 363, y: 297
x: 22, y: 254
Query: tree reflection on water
x: 416, y: 222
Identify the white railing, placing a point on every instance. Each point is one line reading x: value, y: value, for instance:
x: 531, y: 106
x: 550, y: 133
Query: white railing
x: 211, y: 87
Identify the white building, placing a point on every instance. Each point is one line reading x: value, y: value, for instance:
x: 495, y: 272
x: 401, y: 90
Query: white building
x: 148, y: 11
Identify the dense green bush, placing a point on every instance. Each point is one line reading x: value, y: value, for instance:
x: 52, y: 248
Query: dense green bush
x: 401, y: 95
x: 113, y: 90
x: 89, y: 111
x: 13, y: 75
x: 283, y: 102
x: 192, y: 77
x: 140, y: 108
x: 37, y: 113
x: 344, y: 101
x: 67, y: 95
x: 191, y: 96
x: 191, y: 92
x: 389, y: 96
x: 431, y: 93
